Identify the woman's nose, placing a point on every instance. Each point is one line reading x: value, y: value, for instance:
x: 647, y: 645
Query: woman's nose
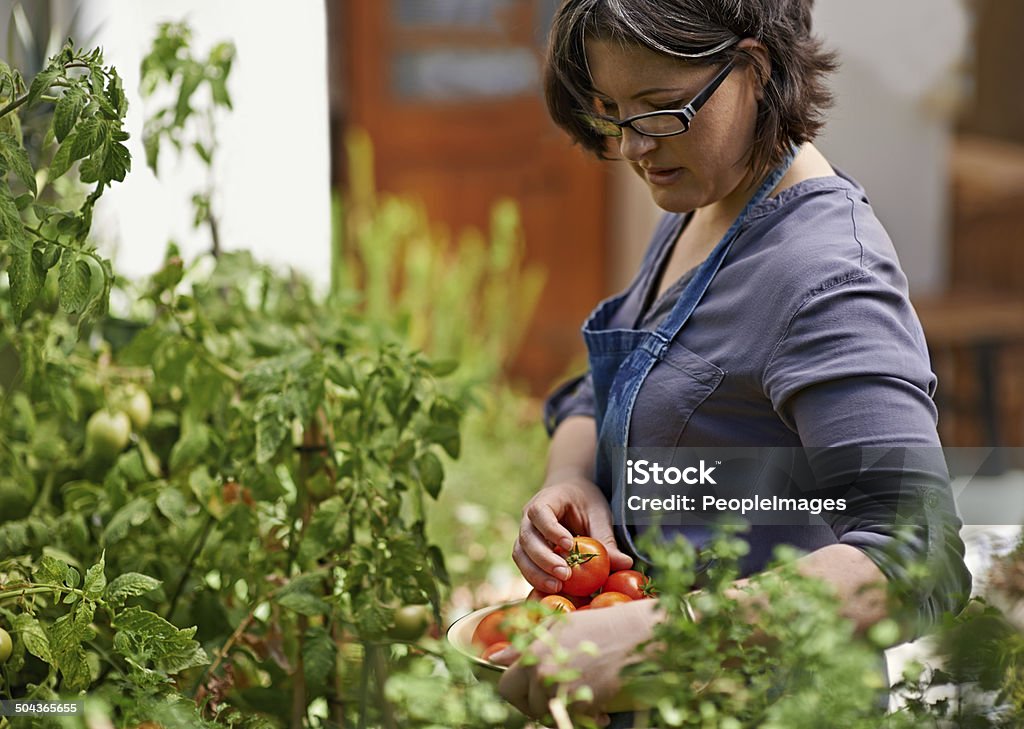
x: 633, y: 145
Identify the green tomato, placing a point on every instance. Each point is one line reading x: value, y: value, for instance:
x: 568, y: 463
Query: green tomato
x: 411, y: 621
x: 107, y: 433
x: 16, y: 498
x: 138, y: 406
x: 6, y: 645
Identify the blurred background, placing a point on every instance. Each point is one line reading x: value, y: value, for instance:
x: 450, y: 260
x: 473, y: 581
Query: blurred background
x: 930, y: 118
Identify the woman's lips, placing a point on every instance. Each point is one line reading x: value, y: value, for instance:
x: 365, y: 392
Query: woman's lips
x: 663, y: 175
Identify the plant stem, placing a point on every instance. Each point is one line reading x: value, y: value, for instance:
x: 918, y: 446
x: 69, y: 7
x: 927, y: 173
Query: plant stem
x: 31, y: 588
x: 13, y: 105
x: 380, y: 671
x: 43, y: 497
x: 339, y: 684
x: 39, y: 234
x: 196, y: 549
x: 224, y: 650
x: 364, y: 688
x: 299, y: 676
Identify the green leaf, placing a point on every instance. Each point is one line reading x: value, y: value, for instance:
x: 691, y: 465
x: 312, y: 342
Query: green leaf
x: 147, y: 638
x: 151, y: 145
x: 328, y: 519
x: 190, y: 447
x: 51, y: 571
x: 440, y: 570
x: 304, y: 603
x: 27, y: 276
x: 445, y: 435
x: 88, y: 137
x: 318, y: 656
x: 41, y: 84
x: 67, y: 111
x: 444, y: 367
x: 272, y: 426
x: 95, y: 580
x: 61, y: 162
x: 26, y: 273
x: 130, y: 584
x: 17, y: 159
x: 172, y: 504
x: 431, y: 473
x: 66, y: 635
x: 74, y: 283
x: 190, y: 82
x: 33, y: 635
x: 133, y: 514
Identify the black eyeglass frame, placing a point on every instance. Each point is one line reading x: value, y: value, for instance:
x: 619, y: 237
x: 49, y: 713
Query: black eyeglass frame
x: 684, y: 115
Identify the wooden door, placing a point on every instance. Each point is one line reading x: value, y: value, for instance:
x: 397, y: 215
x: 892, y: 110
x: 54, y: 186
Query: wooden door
x: 450, y: 92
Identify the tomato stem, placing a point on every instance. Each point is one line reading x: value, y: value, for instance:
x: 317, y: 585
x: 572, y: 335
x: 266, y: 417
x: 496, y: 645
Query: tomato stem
x: 575, y: 557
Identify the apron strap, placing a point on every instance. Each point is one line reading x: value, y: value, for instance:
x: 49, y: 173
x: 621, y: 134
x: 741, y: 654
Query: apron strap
x: 701, y: 280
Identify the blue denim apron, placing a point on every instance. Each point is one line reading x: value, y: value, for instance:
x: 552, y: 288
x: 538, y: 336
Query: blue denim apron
x: 620, y: 360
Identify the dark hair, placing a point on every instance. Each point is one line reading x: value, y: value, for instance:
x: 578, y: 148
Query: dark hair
x: 702, y: 31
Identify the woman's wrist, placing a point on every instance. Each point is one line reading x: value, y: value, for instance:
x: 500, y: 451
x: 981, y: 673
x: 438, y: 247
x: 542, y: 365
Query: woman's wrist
x: 567, y: 475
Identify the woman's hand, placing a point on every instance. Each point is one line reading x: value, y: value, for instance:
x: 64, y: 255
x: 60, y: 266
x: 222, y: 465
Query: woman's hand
x: 565, y: 507
x: 616, y: 631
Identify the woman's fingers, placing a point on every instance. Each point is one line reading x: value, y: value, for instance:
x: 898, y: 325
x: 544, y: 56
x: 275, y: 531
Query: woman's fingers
x: 540, y: 565
x: 601, y: 530
x: 515, y: 687
x: 542, y: 515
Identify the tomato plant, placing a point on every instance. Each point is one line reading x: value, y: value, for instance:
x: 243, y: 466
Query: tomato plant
x: 209, y: 569
x: 589, y: 565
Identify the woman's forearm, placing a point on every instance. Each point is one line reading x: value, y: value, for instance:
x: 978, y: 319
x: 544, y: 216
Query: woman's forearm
x: 572, y: 450
x: 857, y: 583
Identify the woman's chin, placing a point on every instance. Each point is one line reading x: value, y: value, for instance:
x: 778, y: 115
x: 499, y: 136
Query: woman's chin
x: 673, y: 201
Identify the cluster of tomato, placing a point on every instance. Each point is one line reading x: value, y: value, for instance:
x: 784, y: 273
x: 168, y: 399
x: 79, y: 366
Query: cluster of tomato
x: 591, y: 584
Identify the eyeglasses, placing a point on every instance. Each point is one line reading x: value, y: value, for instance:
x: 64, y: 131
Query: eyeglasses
x: 665, y: 123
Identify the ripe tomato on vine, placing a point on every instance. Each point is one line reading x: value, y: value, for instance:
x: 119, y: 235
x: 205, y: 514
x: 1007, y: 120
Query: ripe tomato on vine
x: 589, y: 566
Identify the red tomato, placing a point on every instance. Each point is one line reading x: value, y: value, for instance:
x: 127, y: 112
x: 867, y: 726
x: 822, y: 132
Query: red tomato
x: 606, y: 599
x: 629, y: 582
x: 558, y: 602
x: 577, y: 600
x: 494, y: 648
x: 489, y: 630
x: 588, y: 561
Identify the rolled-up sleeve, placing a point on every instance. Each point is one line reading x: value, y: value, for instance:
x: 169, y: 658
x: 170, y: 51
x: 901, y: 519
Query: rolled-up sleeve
x: 573, y: 397
x: 851, y: 376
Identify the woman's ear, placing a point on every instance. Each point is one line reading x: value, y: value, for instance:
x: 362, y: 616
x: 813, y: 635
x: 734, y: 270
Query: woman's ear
x: 762, y: 66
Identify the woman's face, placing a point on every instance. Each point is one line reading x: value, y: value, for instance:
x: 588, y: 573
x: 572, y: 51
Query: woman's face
x: 705, y: 165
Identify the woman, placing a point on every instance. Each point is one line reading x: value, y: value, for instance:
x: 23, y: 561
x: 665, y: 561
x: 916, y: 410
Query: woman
x: 770, y: 310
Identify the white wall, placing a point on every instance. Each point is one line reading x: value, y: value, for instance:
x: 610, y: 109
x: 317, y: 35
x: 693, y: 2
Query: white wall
x: 892, y: 124
x: 890, y: 129
x: 274, y: 164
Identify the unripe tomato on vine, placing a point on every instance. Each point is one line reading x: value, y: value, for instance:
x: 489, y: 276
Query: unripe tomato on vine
x: 107, y: 433
x: 6, y: 645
